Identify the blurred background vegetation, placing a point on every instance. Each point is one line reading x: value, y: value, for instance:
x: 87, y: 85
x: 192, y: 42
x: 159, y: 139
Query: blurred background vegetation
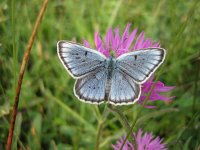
x: 50, y: 117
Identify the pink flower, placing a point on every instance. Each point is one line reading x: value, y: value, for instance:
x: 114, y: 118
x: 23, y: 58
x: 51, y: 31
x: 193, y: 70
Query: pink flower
x: 159, y: 88
x: 143, y: 142
x: 127, y: 146
x: 116, y: 45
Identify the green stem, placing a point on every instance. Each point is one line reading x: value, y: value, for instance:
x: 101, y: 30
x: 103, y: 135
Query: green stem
x: 123, y: 120
x: 97, y: 113
x: 105, y: 112
x: 196, y: 84
x: 194, y: 117
x: 101, y: 125
x: 14, y: 45
x: 121, y: 116
x: 99, y: 130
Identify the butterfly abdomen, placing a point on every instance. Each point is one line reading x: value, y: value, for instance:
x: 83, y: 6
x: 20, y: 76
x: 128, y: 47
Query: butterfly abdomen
x: 110, y: 68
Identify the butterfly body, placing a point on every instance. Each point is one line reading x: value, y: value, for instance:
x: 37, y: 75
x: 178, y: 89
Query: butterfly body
x: 111, y: 64
x: 113, y: 80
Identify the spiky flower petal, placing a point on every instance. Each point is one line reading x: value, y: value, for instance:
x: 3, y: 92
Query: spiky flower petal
x: 144, y: 141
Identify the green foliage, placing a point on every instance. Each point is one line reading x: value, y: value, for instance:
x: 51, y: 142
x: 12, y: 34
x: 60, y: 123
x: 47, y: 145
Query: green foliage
x: 50, y: 116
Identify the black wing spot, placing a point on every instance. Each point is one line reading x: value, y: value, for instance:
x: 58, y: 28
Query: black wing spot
x: 86, y: 53
x: 135, y: 57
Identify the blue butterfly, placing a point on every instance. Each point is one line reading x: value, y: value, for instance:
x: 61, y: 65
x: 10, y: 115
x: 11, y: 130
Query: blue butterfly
x: 113, y: 80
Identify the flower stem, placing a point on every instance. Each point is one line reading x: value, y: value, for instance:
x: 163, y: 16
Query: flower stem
x: 22, y: 70
x: 101, y: 125
x: 196, y: 84
x: 99, y: 129
x: 14, y: 45
x: 124, y: 122
x: 121, y: 117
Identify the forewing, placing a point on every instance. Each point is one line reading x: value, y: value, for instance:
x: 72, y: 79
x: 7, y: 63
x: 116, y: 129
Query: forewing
x: 91, y: 88
x: 123, y: 90
x: 141, y: 64
x: 79, y: 60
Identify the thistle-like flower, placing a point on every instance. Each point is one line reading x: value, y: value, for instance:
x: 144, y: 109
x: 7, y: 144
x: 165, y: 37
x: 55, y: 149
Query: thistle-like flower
x: 116, y: 45
x: 144, y: 141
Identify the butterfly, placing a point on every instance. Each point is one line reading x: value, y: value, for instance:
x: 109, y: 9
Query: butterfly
x: 113, y: 80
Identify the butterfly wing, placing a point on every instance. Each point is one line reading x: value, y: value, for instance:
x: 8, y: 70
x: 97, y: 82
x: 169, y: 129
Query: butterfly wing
x: 131, y: 70
x: 123, y: 90
x: 141, y: 64
x: 91, y: 88
x: 79, y: 60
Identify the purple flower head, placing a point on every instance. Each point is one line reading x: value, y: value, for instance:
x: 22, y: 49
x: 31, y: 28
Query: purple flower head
x: 120, y: 45
x: 116, y: 45
x: 155, y: 94
x: 144, y: 141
